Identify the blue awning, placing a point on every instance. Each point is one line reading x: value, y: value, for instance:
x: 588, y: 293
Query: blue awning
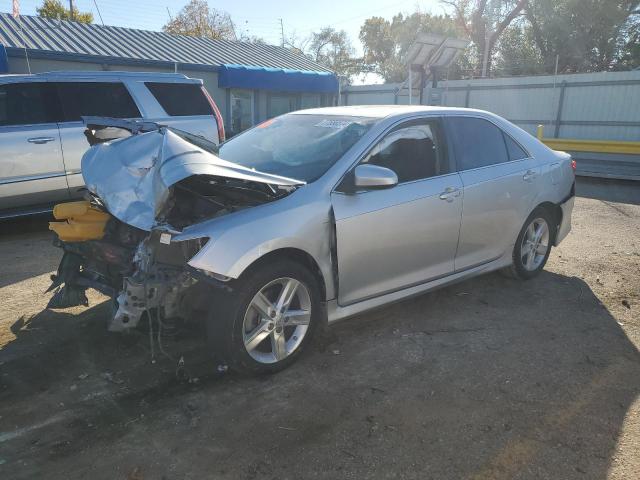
x: 276, y: 79
x: 4, y: 61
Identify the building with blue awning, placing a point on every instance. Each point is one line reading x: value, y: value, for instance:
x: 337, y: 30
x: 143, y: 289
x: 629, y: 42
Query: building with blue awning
x: 250, y: 82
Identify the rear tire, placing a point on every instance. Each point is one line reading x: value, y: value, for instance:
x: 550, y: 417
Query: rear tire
x: 268, y: 320
x: 533, y: 245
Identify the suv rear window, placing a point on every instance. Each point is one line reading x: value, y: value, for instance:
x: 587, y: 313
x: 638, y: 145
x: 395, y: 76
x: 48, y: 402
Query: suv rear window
x: 100, y: 99
x: 180, y: 99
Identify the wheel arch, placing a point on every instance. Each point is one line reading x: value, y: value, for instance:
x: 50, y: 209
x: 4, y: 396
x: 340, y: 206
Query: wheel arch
x: 294, y: 254
x: 555, y: 211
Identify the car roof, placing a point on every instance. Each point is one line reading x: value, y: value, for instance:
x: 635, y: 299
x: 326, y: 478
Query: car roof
x: 382, y: 111
x: 102, y: 75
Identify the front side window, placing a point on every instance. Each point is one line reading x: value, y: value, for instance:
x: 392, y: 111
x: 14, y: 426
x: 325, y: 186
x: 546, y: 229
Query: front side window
x: 100, y: 99
x: 413, y: 151
x: 26, y: 104
x: 477, y: 143
x: 298, y: 146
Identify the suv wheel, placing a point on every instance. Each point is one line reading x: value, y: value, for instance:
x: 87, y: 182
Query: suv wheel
x: 268, y: 320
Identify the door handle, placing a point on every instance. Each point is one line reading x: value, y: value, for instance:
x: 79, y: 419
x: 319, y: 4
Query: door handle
x: 530, y: 175
x: 449, y: 194
x: 40, y: 140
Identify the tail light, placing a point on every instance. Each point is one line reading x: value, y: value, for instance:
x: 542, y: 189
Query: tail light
x: 216, y: 114
x: 573, y: 164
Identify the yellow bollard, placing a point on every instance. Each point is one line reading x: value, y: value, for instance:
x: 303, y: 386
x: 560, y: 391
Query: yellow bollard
x: 540, y: 134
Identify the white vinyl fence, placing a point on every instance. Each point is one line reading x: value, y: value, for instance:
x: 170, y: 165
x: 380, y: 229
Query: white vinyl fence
x: 590, y: 106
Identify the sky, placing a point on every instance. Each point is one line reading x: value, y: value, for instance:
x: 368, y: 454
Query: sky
x: 257, y: 17
x: 260, y: 18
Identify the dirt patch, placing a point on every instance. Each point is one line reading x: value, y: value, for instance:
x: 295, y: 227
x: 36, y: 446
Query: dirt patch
x: 490, y: 378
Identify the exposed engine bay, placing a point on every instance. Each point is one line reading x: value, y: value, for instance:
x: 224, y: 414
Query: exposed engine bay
x: 145, y: 184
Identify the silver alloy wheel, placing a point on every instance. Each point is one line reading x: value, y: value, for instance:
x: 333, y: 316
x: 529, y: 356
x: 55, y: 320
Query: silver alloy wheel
x: 277, y: 320
x: 535, y: 243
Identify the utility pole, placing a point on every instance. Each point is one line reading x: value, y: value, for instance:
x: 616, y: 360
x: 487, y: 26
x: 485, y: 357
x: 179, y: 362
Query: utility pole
x: 71, y: 10
x: 282, y: 32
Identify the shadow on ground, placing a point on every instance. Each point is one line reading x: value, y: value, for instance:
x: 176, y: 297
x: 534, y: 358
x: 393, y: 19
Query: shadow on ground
x: 608, y: 190
x: 490, y: 378
x: 23, y: 240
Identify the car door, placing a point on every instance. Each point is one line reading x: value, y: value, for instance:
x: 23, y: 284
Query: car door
x: 85, y: 98
x: 499, y: 179
x: 394, y: 238
x: 32, y: 169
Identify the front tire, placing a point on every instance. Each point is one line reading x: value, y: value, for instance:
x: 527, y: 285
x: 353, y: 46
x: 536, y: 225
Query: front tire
x: 268, y: 320
x: 533, y: 245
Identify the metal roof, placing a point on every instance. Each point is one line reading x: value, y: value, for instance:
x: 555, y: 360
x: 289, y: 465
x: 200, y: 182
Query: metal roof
x: 91, y: 42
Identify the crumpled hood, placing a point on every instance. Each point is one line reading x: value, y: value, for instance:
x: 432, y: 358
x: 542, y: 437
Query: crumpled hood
x: 132, y: 176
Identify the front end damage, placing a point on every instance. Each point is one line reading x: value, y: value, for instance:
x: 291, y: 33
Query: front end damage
x: 129, y: 265
x: 143, y: 189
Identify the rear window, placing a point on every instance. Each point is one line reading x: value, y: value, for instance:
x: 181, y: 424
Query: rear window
x: 100, y: 99
x: 180, y: 99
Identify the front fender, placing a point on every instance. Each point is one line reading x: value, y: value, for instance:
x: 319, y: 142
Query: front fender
x: 237, y: 243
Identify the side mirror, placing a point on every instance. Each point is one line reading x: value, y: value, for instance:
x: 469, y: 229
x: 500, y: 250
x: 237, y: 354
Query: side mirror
x: 373, y: 176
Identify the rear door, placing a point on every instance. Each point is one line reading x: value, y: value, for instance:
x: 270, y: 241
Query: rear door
x: 402, y: 236
x: 77, y: 99
x: 185, y: 107
x: 499, y: 179
x: 31, y: 165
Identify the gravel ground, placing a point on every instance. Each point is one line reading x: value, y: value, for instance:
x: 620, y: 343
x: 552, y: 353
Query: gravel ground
x: 487, y: 379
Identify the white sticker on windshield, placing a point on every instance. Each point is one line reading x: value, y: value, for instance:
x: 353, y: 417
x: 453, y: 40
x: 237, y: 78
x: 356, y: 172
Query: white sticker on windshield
x: 334, y: 124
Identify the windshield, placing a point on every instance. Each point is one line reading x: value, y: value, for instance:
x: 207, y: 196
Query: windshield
x: 298, y: 146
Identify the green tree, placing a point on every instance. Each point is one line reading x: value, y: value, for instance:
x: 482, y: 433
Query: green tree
x: 517, y: 53
x: 484, y: 21
x: 54, y: 9
x: 198, y: 20
x: 333, y: 49
x: 584, y: 35
x: 386, y: 43
x: 629, y: 43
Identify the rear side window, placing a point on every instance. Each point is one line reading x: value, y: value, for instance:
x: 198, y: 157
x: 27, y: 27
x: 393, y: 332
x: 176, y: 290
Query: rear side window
x: 477, y: 143
x: 515, y: 151
x: 101, y: 99
x: 26, y: 104
x: 413, y: 151
x: 180, y: 99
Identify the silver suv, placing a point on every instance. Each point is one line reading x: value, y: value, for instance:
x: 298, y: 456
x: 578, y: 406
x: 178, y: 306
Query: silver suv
x: 42, y: 134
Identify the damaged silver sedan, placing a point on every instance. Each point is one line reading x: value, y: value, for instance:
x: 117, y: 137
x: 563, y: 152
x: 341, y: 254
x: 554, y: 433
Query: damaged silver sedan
x: 305, y: 219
